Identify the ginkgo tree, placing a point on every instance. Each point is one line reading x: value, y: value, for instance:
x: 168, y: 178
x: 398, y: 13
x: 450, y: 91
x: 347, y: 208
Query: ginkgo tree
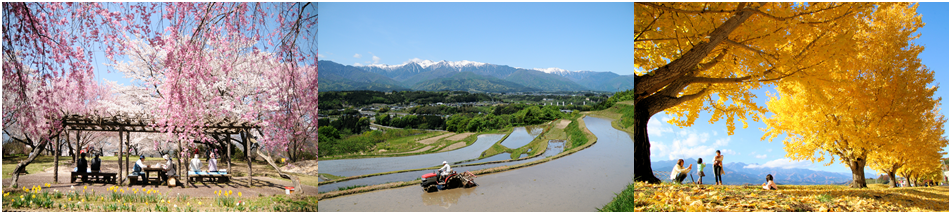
x: 869, y: 101
x: 694, y: 57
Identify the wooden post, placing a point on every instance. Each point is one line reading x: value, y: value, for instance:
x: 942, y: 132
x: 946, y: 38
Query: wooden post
x: 127, y: 154
x: 56, y: 159
x: 120, y: 176
x: 228, y: 154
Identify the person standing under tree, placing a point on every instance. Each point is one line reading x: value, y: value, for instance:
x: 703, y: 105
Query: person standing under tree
x: 700, y: 173
x: 718, y: 168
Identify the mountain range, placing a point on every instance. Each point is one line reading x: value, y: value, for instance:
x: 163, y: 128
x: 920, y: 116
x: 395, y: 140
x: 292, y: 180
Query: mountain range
x: 464, y: 76
x: 737, y: 174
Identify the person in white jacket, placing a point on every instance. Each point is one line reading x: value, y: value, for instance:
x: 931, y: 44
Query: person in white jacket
x: 444, y: 171
x: 679, y: 173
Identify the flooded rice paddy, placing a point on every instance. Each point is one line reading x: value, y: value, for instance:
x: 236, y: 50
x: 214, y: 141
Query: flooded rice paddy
x: 521, y: 136
x: 352, y: 167
x: 554, y: 147
x: 582, y: 181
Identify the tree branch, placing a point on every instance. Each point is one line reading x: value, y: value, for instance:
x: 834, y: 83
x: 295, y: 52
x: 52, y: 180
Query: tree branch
x: 666, y: 8
x: 661, y: 77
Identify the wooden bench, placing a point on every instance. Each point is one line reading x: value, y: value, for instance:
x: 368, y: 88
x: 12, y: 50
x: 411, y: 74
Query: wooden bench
x: 133, y: 179
x: 212, y: 176
x: 99, y: 176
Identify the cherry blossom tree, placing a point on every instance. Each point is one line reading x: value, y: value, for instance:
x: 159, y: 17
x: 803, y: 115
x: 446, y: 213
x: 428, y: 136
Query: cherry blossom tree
x: 191, y: 69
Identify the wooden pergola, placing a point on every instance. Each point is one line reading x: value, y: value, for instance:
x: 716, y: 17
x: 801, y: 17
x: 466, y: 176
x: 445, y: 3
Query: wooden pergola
x: 125, y: 123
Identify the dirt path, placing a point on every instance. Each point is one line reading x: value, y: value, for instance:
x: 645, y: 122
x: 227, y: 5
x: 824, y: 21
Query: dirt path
x: 262, y: 186
x: 419, y: 150
x: 460, y: 144
x: 562, y: 124
x: 432, y: 140
x: 459, y: 136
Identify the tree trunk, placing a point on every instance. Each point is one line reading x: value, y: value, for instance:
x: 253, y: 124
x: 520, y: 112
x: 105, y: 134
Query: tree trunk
x: 72, y: 152
x: 22, y: 165
x: 179, y: 160
x: 126, y: 141
x: 642, y: 145
x: 247, y: 153
x: 56, y: 161
x: 121, y: 176
x: 891, y: 180
x: 297, y: 187
x: 858, y: 173
x: 228, y: 154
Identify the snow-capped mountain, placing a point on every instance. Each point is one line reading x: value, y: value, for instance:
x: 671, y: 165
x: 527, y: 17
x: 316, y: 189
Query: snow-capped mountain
x: 415, y: 71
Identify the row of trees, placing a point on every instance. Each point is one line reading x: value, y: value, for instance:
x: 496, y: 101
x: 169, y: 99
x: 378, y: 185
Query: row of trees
x: 412, y: 121
x: 528, y: 116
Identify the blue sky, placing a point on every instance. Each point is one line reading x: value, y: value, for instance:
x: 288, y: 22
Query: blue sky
x: 572, y: 36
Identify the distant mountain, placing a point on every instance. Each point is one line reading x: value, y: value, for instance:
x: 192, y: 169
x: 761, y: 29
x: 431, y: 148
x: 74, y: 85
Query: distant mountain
x: 337, y: 77
x: 414, y: 72
x: 736, y: 174
x: 538, y: 79
x: 469, y: 81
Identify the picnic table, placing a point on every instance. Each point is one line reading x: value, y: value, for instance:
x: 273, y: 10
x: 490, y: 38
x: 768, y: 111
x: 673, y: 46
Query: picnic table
x: 147, y: 170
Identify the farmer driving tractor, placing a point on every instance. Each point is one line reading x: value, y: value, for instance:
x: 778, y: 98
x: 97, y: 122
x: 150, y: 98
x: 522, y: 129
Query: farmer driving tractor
x: 445, y: 170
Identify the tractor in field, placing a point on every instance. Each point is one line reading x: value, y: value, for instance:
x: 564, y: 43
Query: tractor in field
x: 432, y: 182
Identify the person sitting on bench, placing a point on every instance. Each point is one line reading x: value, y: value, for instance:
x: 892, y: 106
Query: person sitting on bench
x: 171, y: 171
x: 212, y: 163
x: 167, y: 167
x: 137, y: 169
x: 96, y: 163
x: 81, y: 166
x: 195, y: 165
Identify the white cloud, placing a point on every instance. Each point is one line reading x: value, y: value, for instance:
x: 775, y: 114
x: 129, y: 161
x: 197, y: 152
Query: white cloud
x: 784, y: 163
x: 376, y: 60
x: 769, y: 150
x: 656, y: 128
x: 689, y: 145
x: 357, y: 64
x: 320, y: 56
x: 357, y: 56
x: 761, y: 156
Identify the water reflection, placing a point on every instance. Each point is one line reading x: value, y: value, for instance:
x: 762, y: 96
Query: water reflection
x: 445, y: 198
x: 352, y: 167
x: 521, y: 136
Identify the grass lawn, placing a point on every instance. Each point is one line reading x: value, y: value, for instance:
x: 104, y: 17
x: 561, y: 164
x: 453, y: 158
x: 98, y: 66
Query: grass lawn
x: 38, y: 165
x: 643, y: 197
x: 149, y: 200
